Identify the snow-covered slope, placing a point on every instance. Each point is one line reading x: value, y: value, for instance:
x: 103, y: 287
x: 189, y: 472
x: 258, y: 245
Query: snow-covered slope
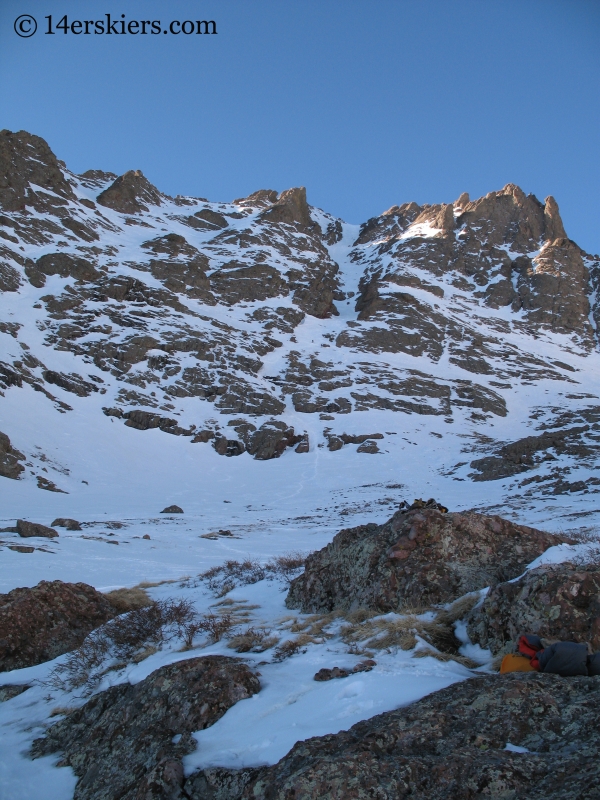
x: 259, y: 360
x: 279, y: 374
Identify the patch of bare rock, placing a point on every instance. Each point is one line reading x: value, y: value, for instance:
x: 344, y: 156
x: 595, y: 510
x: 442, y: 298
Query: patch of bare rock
x: 421, y: 557
x: 68, y: 523
x: 9, y: 459
x: 555, y: 601
x: 40, y: 623
x: 128, y: 741
x: 453, y: 745
x: 27, y: 529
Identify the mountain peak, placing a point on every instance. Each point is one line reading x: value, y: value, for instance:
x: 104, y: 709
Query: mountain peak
x: 130, y: 193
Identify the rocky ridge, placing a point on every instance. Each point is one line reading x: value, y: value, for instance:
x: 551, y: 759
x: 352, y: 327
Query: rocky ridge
x: 239, y: 324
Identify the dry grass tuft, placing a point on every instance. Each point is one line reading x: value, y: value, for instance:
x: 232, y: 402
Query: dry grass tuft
x: 466, y: 662
x: 141, y: 655
x: 293, y: 646
x: 383, y: 633
x: 360, y: 615
x: 253, y: 640
x: 129, y: 599
x: 152, y: 584
x: 314, y: 625
x: 458, y: 610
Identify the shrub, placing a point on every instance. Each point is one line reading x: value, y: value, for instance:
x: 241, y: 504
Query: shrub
x: 223, y: 578
x: 128, y: 637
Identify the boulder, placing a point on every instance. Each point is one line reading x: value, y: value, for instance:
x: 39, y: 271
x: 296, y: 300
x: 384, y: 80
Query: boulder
x: 172, y: 510
x: 228, y: 447
x: 555, y: 601
x: 421, y: 556
x: 146, y: 420
x: 327, y: 674
x: 121, y: 742
x: 26, y: 529
x: 66, y: 522
x: 271, y: 440
x: 52, y: 618
x: 494, y: 736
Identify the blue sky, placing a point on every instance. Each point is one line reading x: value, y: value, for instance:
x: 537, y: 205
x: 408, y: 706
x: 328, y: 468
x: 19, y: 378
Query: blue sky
x: 367, y: 104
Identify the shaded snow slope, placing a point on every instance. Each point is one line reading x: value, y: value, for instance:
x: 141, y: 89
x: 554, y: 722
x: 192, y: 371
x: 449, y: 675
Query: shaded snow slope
x: 235, y: 358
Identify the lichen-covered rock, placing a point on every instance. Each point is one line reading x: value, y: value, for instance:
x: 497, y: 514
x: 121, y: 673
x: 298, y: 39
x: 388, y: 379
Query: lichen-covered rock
x: 555, y: 601
x: 120, y: 743
x: 220, y: 783
x: 421, y: 556
x: 452, y: 745
x: 52, y: 618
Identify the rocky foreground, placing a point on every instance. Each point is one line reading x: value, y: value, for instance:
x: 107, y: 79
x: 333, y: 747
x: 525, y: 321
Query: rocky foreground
x: 456, y: 745
x: 494, y: 736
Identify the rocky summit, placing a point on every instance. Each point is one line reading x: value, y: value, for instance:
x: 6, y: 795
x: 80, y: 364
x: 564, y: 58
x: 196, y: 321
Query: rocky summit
x: 266, y: 328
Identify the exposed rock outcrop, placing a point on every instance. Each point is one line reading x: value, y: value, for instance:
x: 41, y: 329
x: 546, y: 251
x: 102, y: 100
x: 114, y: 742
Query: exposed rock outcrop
x: 291, y: 207
x: 120, y: 744
x: 130, y: 194
x: 555, y: 601
x: 52, y: 618
x: 68, y: 523
x: 9, y: 459
x: 271, y: 440
x: 421, y: 556
x: 27, y: 529
x: 26, y: 159
x: 456, y: 744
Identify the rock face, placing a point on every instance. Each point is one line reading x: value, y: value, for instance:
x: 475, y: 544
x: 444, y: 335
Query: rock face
x: 559, y: 601
x: 9, y: 459
x: 130, y: 193
x: 172, y: 510
x: 452, y: 746
x: 419, y: 557
x: 120, y: 744
x: 197, y: 303
x: 52, y: 618
x: 27, y: 529
x: 25, y: 160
